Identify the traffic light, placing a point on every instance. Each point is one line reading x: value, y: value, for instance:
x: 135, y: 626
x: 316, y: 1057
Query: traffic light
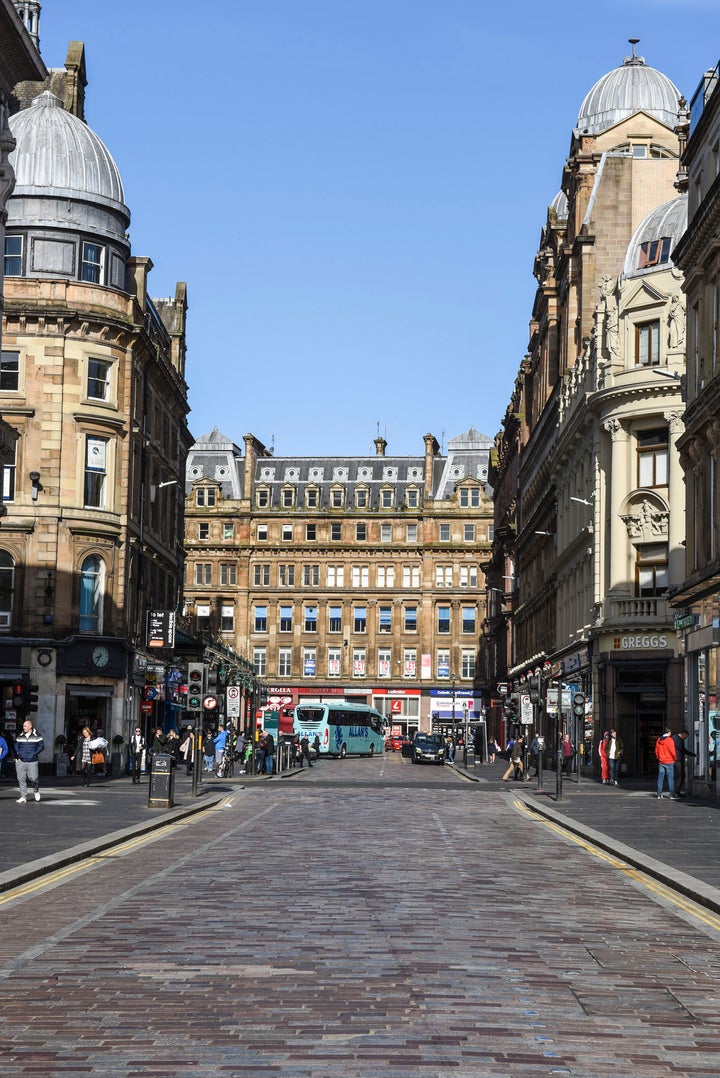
x: 212, y: 679
x: 25, y: 697
x: 510, y: 708
x: 534, y: 690
x: 196, y: 686
x: 579, y: 705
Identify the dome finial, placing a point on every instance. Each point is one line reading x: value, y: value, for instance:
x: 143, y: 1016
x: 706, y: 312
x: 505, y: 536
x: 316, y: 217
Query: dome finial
x: 634, y: 59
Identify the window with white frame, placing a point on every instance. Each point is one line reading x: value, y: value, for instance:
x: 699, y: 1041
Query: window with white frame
x: 228, y: 530
x: 411, y: 533
x: 359, y: 619
x: 361, y: 498
x: 287, y: 533
x: 312, y: 497
x: 336, y: 576
x: 284, y: 662
x: 335, y: 533
x: 334, y: 619
x: 360, y: 576
x: 412, y: 498
x: 286, y: 619
x: 262, y: 498
x: 411, y: 576
x: 311, y: 576
x: 96, y: 454
x: 13, y: 256
x: 467, y: 663
x: 443, y: 576
x: 8, y: 476
x: 469, y: 619
x: 9, y: 371
x: 647, y: 343
x: 361, y: 532
x: 309, y: 662
x: 203, y: 530
x: 286, y: 576
x: 91, y: 265
x: 262, y: 533
x: 469, y: 533
x: 311, y: 619
x: 311, y: 531
x: 92, y: 590
x: 261, y: 576
x: 202, y: 617
x: 384, y: 661
x: 468, y: 576
x: 386, y: 533
x: 410, y: 619
x: 98, y: 379
x: 359, y: 662
x: 288, y: 497
x: 652, y: 453
x: 470, y: 497
x: 384, y: 619
x: 337, y: 498
x: 387, y: 498
x: 443, y: 663
x: 260, y: 661
x: 7, y: 589
x: 203, y: 572
x: 333, y: 661
x: 386, y: 576
x: 205, y: 497
x: 260, y: 619
x: 228, y: 572
x: 444, y: 533
x: 227, y: 618
x: 443, y: 619
x: 410, y: 662
x: 651, y: 569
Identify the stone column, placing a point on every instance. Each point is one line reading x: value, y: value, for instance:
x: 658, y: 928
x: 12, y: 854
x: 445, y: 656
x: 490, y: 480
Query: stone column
x: 620, y: 482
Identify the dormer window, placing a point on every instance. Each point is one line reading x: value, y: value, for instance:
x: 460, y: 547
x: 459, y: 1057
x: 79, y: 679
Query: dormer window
x: 654, y: 253
x: 92, y: 263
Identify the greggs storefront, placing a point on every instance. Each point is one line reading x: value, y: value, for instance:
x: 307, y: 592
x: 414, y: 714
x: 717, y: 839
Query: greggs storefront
x: 639, y: 680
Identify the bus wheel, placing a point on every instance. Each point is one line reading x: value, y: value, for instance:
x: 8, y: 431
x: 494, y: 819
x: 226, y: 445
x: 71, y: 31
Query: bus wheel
x: 372, y: 750
x: 343, y: 752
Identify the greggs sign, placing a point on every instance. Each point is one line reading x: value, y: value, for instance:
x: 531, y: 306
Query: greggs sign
x: 641, y: 640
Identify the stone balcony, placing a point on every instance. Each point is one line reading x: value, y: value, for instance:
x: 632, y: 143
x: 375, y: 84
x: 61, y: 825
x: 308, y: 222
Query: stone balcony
x: 636, y: 611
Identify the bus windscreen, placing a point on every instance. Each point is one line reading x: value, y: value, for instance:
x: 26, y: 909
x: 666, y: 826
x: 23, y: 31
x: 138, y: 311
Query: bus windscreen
x: 309, y: 714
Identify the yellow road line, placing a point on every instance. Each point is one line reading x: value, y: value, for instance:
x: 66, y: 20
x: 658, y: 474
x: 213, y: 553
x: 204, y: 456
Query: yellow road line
x: 706, y: 917
x: 50, y: 879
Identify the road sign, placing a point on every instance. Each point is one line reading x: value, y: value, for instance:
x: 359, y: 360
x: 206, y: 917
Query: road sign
x: 232, y: 701
x: 502, y: 688
x: 552, y: 701
x: 209, y: 703
x: 146, y: 707
x: 526, y: 709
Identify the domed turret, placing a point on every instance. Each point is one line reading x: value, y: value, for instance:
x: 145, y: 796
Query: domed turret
x: 655, y: 237
x: 631, y: 88
x: 68, y: 200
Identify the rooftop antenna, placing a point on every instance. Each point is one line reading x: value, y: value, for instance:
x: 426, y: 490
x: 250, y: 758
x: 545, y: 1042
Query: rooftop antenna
x: 634, y: 59
x: 442, y: 442
x: 272, y: 444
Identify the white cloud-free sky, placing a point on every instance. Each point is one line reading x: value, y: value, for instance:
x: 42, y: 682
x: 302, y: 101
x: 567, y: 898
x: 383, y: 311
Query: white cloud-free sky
x: 353, y: 190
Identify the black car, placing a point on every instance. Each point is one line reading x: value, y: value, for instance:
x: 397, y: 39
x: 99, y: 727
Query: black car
x: 428, y: 749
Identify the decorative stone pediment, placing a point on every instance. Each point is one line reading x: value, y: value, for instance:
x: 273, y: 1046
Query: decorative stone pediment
x: 646, y: 516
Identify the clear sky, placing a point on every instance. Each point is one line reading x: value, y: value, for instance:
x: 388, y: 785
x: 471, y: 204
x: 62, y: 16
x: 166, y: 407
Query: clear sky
x: 353, y: 190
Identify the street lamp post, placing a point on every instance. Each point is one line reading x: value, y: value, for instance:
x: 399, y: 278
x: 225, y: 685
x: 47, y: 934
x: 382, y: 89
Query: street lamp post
x: 454, y: 686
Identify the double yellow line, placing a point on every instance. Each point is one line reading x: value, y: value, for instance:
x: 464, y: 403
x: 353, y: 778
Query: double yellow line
x: 667, y: 894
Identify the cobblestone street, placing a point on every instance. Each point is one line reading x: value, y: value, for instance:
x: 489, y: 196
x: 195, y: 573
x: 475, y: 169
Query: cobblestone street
x: 396, y: 923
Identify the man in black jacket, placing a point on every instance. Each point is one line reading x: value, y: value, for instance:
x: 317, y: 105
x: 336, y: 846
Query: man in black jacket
x: 681, y: 751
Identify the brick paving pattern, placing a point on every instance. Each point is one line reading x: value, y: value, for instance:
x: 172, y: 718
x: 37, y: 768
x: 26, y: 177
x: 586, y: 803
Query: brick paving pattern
x: 370, y: 920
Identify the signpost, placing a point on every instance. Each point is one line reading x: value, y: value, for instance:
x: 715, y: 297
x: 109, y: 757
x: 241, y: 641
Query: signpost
x: 232, y: 701
x: 526, y: 710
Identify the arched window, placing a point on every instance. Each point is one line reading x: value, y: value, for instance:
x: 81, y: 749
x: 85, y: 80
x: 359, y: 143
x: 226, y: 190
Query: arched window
x: 92, y: 589
x: 7, y: 589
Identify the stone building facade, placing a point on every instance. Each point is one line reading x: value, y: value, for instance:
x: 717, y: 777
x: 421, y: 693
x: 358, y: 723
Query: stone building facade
x: 93, y: 382
x: 350, y: 577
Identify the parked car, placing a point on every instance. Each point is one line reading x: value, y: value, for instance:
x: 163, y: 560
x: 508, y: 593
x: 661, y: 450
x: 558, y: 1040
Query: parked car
x: 428, y: 749
x: 393, y: 743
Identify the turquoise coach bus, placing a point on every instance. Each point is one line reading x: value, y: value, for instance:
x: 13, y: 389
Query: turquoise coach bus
x: 344, y: 729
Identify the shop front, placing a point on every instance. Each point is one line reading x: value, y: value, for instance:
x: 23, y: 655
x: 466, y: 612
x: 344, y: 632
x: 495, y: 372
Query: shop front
x: 639, y: 693
x: 702, y: 651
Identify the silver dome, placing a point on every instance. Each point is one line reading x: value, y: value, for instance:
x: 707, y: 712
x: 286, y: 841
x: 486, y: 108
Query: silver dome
x: 667, y: 221
x: 633, y: 87
x: 57, y: 155
x: 559, y: 206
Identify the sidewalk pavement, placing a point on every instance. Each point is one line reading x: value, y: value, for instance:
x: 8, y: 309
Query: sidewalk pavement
x: 673, y: 841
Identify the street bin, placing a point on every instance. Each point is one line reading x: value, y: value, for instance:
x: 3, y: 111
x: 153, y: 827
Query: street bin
x: 162, y: 781
x: 470, y: 758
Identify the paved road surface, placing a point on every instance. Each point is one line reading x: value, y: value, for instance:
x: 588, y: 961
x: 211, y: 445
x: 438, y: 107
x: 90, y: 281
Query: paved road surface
x: 375, y: 919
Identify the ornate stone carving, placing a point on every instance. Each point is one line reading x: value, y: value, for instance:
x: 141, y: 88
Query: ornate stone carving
x: 646, y: 522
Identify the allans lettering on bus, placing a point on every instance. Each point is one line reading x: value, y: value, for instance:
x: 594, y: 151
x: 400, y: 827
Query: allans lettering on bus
x: 648, y: 640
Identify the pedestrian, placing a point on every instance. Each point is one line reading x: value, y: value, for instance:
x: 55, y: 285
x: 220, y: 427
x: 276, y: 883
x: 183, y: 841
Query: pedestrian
x: 666, y: 757
x: 4, y: 752
x: 615, y: 752
x: 450, y: 748
x: 83, y: 755
x: 208, y: 752
x: 305, y: 750
x: 187, y: 749
x: 316, y: 746
x: 159, y: 741
x: 493, y: 749
x: 7, y: 761
x: 220, y: 742
x: 604, y: 760
x: 28, y: 747
x: 269, y: 754
x: 516, y: 766
x: 681, y: 751
x: 568, y: 754
x: 535, y: 753
x: 172, y: 746
x: 137, y: 748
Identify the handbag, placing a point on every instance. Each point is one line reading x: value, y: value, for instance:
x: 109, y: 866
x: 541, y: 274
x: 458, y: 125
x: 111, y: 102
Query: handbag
x: 97, y: 758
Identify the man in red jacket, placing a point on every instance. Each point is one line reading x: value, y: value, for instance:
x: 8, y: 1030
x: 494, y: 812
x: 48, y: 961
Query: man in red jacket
x: 666, y: 756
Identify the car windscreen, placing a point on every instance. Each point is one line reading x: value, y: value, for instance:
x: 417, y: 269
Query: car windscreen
x: 428, y: 742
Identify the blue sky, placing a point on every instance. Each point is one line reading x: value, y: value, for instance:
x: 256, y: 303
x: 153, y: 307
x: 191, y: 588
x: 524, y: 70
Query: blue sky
x: 353, y: 190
